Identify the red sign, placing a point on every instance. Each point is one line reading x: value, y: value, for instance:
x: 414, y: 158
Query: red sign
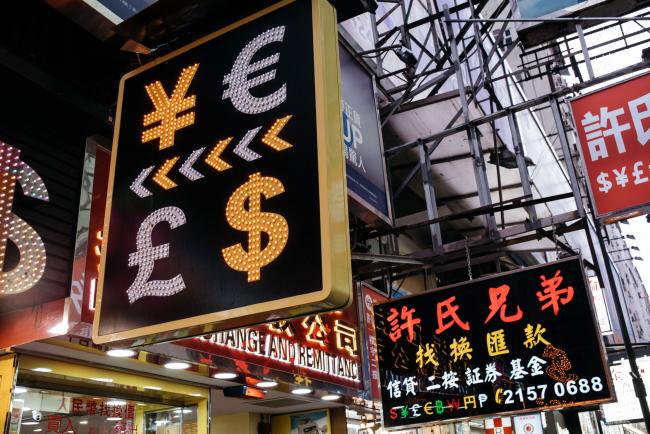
x: 370, y: 297
x: 323, y: 346
x: 498, y: 425
x: 613, y: 127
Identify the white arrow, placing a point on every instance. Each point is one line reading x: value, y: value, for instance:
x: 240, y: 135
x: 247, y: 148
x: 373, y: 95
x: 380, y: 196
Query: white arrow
x: 137, y: 187
x: 241, y: 150
x: 186, y: 168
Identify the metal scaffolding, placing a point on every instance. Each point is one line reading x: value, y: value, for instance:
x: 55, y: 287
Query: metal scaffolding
x: 425, y: 52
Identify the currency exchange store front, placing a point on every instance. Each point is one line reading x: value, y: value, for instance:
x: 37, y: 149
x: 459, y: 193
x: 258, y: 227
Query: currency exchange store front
x: 58, y: 397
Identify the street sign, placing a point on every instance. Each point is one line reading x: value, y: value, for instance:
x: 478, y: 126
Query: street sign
x: 613, y: 126
x: 227, y: 203
x: 514, y: 342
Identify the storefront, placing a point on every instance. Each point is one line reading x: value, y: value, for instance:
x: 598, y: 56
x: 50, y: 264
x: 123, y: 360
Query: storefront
x: 55, y: 396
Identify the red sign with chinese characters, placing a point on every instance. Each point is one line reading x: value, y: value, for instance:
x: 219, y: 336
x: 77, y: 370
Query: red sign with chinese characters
x: 323, y: 347
x: 613, y: 127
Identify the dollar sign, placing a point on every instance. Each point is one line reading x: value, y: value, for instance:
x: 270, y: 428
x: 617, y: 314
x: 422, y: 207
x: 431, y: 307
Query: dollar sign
x: 240, y: 86
x: 253, y: 221
x: 31, y: 266
x: 605, y: 184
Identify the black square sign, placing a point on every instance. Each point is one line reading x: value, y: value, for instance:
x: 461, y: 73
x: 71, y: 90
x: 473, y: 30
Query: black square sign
x: 228, y: 187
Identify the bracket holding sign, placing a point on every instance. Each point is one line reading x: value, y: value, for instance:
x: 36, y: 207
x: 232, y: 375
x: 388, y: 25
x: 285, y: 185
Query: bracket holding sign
x: 227, y: 191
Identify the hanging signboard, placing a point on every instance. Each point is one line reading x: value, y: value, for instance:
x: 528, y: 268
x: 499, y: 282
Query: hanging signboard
x: 364, y: 151
x: 322, y: 346
x: 613, y: 126
x: 227, y: 192
x: 515, y: 342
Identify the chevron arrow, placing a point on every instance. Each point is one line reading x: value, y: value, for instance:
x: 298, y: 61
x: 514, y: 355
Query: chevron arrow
x: 186, y: 168
x: 241, y: 150
x: 161, y: 178
x: 214, y: 157
x: 136, y: 186
x: 271, y: 138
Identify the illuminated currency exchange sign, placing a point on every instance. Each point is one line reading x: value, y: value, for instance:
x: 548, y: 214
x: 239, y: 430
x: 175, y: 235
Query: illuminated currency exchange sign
x: 227, y: 183
x: 613, y: 126
x: 515, y: 342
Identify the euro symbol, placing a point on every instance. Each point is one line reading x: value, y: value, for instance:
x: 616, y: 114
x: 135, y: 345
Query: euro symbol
x: 239, y: 83
x: 254, y: 221
x: 146, y: 256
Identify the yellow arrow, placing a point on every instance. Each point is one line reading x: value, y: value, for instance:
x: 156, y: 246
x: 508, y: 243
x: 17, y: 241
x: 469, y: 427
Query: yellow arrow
x: 271, y: 137
x: 214, y: 158
x: 160, y: 177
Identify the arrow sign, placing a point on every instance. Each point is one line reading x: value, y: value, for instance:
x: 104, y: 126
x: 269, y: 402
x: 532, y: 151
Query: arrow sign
x: 186, y: 168
x: 271, y: 138
x: 214, y: 157
x: 161, y: 175
x: 137, y: 187
x: 241, y: 150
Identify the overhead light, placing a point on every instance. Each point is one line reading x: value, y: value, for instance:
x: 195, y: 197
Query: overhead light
x: 30, y: 423
x: 196, y: 394
x: 301, y: 391
x: 331, y: 397
x: 41, y: 369
x: 225, y: 375
x: 120, y: 352
x: 37, y: 429
x: 152, y: 387
x: 103, y: 380
x: 266, y: 384
x: 83, y: 422
x: 113, y: 418
x: 176, y: 365
x: 116, y: 402
x: 18, y: 390
x: 185, y: 410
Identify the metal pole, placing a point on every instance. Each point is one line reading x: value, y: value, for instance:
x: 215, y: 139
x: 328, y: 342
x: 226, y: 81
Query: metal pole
x: 637, y: 381
x: 430, y: 197
x: 585, y: 51
x: 474, y: 144
x: 566, y: 152
x: 521, y: 166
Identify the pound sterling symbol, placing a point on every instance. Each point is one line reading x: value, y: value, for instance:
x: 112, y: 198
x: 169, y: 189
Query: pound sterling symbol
x: 255, y: 222
x: 239, y: 83
x: 146, y: 256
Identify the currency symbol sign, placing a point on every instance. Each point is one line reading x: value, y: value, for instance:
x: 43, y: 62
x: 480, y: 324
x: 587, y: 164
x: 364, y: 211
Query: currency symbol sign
x: 146, y: 256
x: 239, y: 83
x: 31, y: 266
x: 605, y: 184
x: 168, y: 109
x: 253, y: 221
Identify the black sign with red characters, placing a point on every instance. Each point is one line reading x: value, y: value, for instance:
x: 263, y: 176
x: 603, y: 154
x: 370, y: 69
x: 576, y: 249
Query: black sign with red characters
x: 519, y: 341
